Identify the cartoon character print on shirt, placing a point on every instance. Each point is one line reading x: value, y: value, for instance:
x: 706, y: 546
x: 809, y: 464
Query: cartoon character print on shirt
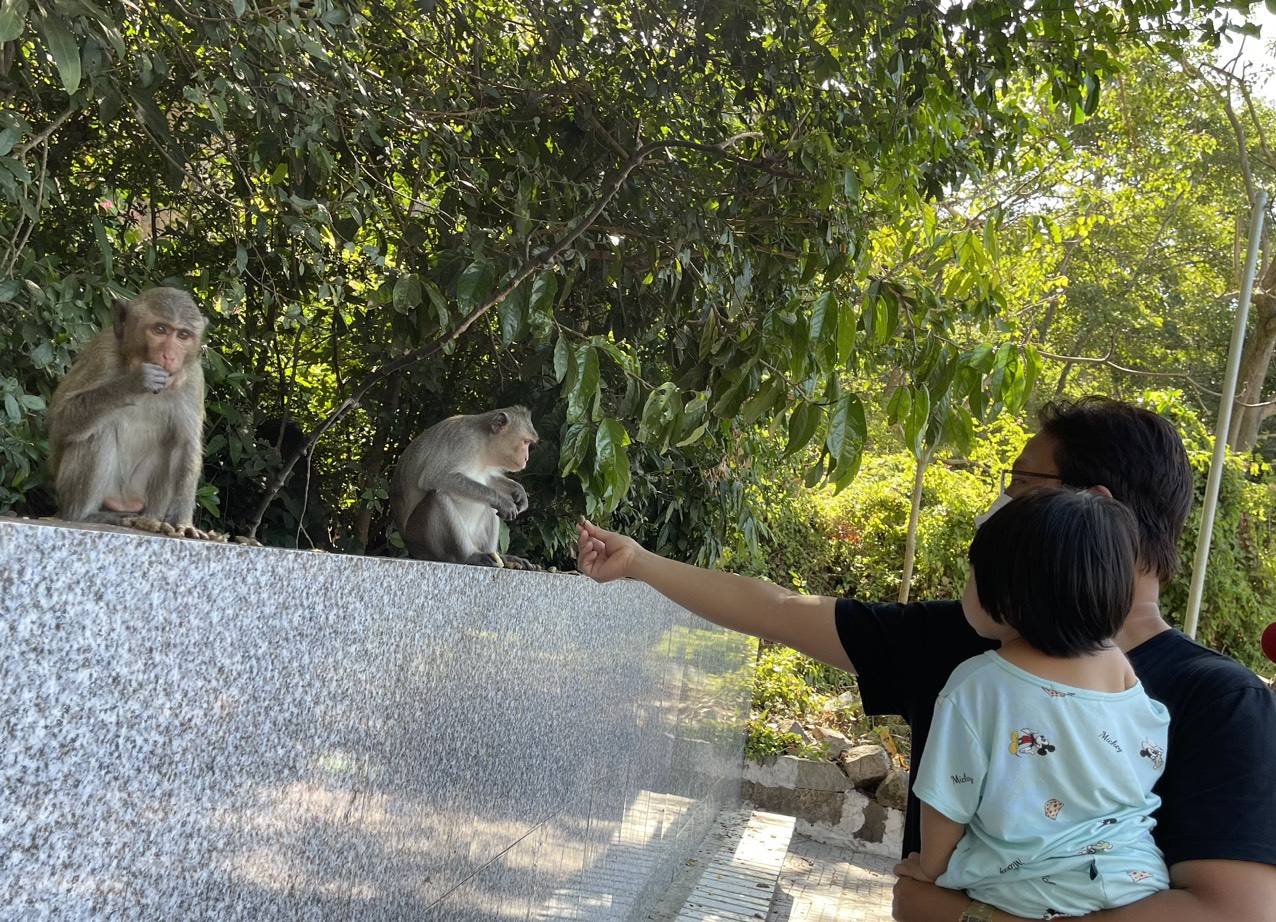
x: 1055, y: 693
x: 1097, y: 848
x: 1137, y: 876
x: 1026, y: 741
x: 1150, y: 750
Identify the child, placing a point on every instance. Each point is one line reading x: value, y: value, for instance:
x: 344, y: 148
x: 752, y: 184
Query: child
x: 1036, y: 783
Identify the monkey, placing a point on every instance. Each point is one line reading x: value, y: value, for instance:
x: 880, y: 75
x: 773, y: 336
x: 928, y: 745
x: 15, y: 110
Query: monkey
x: 126, y: 423
x: 450, y: 487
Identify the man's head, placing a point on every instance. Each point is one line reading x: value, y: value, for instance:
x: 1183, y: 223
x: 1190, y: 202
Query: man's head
x: 1057, y: 566
x: 1132, y: 452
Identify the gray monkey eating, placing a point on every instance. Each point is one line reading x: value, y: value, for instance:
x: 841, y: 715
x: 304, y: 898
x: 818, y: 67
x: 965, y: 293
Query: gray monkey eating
x: 450, y: 490
x: 126, y: 424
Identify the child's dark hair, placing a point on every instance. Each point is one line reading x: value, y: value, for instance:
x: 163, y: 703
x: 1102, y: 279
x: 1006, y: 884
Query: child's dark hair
x: 1058, y: 566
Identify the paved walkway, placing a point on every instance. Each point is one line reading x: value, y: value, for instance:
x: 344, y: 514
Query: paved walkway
x: 818, y: 883
x: 831, y: 883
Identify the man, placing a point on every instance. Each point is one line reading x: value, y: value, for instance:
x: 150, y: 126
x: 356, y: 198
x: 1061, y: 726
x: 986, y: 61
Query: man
x: 1217, y: 822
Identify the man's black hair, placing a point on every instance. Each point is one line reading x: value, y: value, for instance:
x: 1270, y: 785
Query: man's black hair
x: 1058, y: 565
x: 1138, y: 456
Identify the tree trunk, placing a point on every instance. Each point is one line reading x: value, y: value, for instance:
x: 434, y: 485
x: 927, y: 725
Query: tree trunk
x: 914, y: 513
x: 1256, y: 360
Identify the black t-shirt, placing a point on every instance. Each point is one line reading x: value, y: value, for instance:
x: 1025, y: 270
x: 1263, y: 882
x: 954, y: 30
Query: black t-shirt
x: 1216, y: 802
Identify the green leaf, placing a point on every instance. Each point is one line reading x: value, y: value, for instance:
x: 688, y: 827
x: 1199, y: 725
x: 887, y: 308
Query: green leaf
x: 474, y: 285
x: 104, y: 247
x: 575, y: 448
x: 66, y: 53
x: 1091, y: 102
x: 612, y: 461
x: 820, y: 311
x: 512, y: 314
x: 13, y: 19
x: 915, y: 422
x: 544, y: 288
x: 845, y: 332
x: 440, y: 303
x: 847, y: 430
x: 563, y: 359
x: 650, y: 427
x: 804, y: 420
x: 899, y: 406
x: 771, y: 393
x: 12, y: 408
x: 407, y: 293
x: 584, y: 391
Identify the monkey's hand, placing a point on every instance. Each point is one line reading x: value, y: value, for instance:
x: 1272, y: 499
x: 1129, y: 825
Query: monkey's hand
x: 506, y: 508
x: 519, y: 496
x: 154, y: 377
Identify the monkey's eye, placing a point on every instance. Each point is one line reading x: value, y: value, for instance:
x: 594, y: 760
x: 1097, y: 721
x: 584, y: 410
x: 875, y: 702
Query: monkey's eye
x: 159, y: 329
x: 183, y: 334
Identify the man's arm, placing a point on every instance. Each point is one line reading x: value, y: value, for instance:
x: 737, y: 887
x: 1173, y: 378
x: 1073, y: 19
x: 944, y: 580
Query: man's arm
x: 1203, y: 891
x: 1206, y: 891
x: 805, y: 623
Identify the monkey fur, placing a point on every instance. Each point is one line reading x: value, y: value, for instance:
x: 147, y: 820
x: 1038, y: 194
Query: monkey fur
x: 450, y: 489
x: 126, y: 423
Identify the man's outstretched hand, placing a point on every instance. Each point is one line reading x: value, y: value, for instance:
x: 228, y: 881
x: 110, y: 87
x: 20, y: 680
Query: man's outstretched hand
x: 604, y: 555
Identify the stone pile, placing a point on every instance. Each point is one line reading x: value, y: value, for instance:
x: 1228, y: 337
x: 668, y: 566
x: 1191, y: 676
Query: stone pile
x: 856, y: 798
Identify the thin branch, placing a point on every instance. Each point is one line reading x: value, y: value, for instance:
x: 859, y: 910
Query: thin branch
x: 36, y: 140
x: 1107, y: 362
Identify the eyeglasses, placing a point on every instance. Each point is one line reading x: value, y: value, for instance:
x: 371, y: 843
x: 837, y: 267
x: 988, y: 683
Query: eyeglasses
x: 1009, y: 476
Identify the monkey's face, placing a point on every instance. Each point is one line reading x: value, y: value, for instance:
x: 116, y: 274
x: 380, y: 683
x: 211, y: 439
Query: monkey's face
x: 170, y: 346
x: 517, y: 450
x: 156, y: 340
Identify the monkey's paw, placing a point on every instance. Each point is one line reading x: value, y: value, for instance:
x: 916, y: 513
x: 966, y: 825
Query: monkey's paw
x: 146, y: 523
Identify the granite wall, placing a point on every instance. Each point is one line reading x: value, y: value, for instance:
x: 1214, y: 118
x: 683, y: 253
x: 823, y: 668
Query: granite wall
x: 192, y: 730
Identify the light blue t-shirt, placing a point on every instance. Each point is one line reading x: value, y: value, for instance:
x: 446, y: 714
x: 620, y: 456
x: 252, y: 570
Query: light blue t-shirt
x: 1054, y: 784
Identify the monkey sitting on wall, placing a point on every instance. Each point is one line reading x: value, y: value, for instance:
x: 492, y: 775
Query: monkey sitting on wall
x: 126, y: 424
x: 450, y: 487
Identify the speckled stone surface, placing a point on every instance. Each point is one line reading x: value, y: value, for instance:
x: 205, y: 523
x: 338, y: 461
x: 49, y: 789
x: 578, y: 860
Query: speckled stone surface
x: 192, y: 730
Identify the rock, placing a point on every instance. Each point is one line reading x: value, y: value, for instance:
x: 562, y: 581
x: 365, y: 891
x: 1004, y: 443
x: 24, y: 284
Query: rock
x: 796, y: 729
x: 795, y: 773
x: 845, y: 701
x: 865, y: 766
x: 814, y: 807
x: 833, y: 741
x: 893, y: 792
x: 874, y: 828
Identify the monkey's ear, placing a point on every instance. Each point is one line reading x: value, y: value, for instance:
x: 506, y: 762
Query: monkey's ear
x: 500, y: 419
x: 119, y: 313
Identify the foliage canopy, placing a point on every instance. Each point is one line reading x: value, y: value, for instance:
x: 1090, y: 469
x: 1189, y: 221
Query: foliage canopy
x: 656, y: 224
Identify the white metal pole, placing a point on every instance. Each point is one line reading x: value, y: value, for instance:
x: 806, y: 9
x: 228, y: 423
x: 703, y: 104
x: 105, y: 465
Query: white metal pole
x: 1224, y: 417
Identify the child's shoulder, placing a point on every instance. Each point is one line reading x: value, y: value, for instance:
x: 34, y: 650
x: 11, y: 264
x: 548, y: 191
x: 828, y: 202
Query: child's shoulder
x: 974, y: 671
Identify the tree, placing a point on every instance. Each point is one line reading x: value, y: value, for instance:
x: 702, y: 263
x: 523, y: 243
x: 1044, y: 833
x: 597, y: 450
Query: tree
x: 656, y: 226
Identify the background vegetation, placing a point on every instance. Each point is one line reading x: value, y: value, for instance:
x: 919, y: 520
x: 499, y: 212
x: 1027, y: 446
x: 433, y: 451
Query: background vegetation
x: 728, y: 252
